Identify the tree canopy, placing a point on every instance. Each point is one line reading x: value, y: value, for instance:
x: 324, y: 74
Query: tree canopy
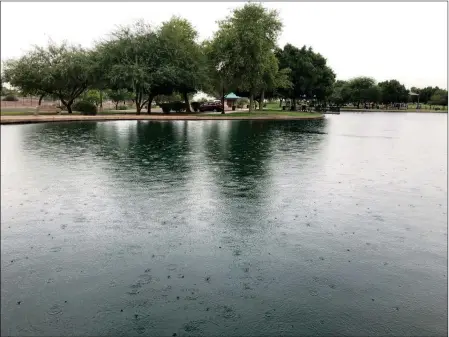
x: 309, y: 74
x: 242, y: 47
x: 143, y: 62
x: 64, y: 71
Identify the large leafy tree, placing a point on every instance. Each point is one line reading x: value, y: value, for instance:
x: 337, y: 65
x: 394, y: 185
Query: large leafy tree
x: 274, y: 80
x: 63, y: 71
x: 242, y: 47
x: 340, y: 93
x: 130, y: 60
x: 184, y: 67
x: 310, y: 75
x: 363, y: 90
x: 428, y: 95
x: 439, y: 97
x: 393, y: 92
x: 119, y: 95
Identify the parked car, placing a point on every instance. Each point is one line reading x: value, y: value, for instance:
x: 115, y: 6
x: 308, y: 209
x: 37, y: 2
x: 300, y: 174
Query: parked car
x: 211, y: 106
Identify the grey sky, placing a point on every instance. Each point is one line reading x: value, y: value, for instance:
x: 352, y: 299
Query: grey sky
x: 405, y: 41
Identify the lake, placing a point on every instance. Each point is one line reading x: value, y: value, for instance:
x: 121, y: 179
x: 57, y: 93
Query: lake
x: 327, y: 227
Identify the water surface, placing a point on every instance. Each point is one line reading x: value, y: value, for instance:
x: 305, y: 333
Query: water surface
x: 333, y: 227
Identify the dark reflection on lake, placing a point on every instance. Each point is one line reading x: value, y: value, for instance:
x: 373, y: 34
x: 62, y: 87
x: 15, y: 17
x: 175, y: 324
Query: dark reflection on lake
x: 333, y: 227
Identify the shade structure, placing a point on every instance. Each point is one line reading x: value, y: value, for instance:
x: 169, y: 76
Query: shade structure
x: 231, y: 96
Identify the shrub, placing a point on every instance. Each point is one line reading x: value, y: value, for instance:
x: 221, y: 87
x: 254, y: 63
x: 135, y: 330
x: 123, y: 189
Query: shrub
x: 177, y: 106
x: 241, y: 102
x: 122, y: 107
x: 195, y: 106
x: 166, y: 107
x: 10, y: 98
x: 85, y: 107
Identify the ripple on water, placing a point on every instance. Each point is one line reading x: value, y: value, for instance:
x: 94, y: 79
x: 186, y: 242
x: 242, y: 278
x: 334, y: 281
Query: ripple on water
x: 55, y: 309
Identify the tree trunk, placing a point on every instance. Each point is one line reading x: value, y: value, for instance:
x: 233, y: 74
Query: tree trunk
x: 40, y: 99
x: 138, y: 101
x: 186, y: 100
x: 294, y: 104
x: 101, y: 99
x: 251, y: 102
x: 150, y: 100
x: 262, y: 99
x: 68, y: 105
x: 280, y: 102
x: 116, y: 105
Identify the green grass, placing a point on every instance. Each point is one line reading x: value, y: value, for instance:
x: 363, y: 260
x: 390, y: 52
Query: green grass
x: 273, y: 106
x: 266, y: 113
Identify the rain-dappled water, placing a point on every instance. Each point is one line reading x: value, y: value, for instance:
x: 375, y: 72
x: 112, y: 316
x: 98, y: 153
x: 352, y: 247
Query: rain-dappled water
x: 235, y: 228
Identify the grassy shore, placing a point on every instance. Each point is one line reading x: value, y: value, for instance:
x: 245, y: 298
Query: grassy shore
x: 255, y: 113
x: 264, y: 113
x: 259, y: 115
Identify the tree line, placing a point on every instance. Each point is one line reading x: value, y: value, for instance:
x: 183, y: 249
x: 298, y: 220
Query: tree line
x: 365, y: 90
x: 144, y: 63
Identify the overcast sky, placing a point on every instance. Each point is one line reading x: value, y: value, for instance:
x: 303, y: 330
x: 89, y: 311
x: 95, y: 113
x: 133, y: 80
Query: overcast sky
x: 404, y: 41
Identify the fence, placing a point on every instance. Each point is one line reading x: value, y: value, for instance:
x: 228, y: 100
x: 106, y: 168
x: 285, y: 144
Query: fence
x: 32, y: 102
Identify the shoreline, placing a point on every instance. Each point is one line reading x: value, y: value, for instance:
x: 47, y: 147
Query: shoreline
x: 395, y: 111
x: 100, y: 118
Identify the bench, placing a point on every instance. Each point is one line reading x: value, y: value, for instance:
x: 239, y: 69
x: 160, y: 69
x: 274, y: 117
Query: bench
x: 47, y: 110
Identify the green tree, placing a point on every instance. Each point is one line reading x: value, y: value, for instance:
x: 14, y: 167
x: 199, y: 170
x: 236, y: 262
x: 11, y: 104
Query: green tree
x: 119, y: 95
x: 185, y: 69
x: 131, y: 61
x: 310, y: 76
x: 243, y: 46
x: 340, y: 93
x: 273, y: 80
x: 64, y: 71
x: 393, y: 92
x: 93, y: 96
x: 439, y: 97
x: 363, y: 90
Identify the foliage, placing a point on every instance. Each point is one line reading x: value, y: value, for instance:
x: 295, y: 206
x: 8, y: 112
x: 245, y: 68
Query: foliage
x: 167, y: 64
x: 240, y: 51
x: 309, y: 74
x: 439, y: 97
x: 340, y: 93
x: 363, y: 90
x: 62, y: 70
x: 167, y: 98
x: 10, y: 98
x: 195, y: 106
x: 130, y: 60
x: 117, y: 96
x: 6, y: 92
x: 242, y: 102
x: 85, y: 107
x: 93, y: 96
x: 430, y: 95
x: 393, y: 92
x: 184, y: 70
x: 176, y: 106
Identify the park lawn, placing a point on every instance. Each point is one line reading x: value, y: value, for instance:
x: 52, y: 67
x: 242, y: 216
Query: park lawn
x: 273, y: 106
x: 266, y: 113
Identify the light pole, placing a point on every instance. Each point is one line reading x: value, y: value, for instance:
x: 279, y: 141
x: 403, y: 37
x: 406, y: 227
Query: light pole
x: 219, y: 68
